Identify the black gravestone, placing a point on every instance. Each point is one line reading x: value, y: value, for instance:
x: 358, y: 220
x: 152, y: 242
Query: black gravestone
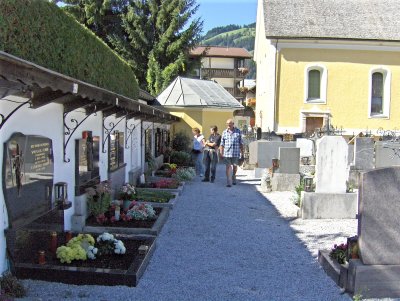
x: 28, y: 169
x: 86, y: 162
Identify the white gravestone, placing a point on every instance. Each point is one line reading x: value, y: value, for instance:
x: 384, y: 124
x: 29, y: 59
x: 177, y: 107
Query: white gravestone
x: 306, y: 147
x: 331, y: 170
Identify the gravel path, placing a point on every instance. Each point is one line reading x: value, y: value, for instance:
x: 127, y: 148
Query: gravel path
x: 231, y: 244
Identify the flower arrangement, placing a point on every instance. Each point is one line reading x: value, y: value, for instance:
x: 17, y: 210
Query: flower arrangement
x: 167, y: 183
x: 185, y: 174
x: 127, y: 192
x: 140, y: 212
x: 82, y: 247
x: 77, y: 249
x: 339, y: 253
x: 99, y: 198
x: 107, y: 244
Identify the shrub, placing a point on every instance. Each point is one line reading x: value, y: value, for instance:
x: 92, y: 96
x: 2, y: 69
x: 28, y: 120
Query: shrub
x: 181, y: 158
x: 185, y: 174
x: 181, y: 142
x: 11, y: 287
x: 99, y: 198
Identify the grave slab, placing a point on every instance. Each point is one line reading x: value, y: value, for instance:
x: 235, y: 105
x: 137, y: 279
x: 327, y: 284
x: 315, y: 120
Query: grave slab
x: 364, y: 153
x: 289, y: 160
x: 306, y: 147
x: 378, y: 224
x: 285, y: 181
x: 328, y: 205
x: 373, y: 281
x: 331, y: 171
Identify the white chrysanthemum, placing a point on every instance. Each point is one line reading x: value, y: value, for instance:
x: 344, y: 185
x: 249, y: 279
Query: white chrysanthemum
x: 105, y: 237
x: 91, y: 252
x: 119, y: 247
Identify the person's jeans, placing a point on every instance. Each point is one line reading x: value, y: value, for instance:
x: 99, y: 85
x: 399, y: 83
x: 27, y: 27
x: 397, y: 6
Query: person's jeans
x: 198, y: 162
x: 210, y: 163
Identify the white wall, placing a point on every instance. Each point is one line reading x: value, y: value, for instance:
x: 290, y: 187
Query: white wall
x: 47, y: 121
x: 265, y: 57
x: 218, y: 62
x: 225, y: 82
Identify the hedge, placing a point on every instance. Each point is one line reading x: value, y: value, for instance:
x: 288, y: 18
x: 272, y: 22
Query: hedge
x: 40, y: 32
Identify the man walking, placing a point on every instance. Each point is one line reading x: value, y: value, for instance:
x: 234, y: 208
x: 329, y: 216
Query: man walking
x: 231, y: 149
x: 211, y: 154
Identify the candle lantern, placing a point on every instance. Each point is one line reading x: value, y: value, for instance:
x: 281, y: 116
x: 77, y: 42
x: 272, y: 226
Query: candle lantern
x: 68, y: 236
x: 117, y: 213
x: 61, y: 198
x: 53, y: 242
x: 308, y: 184
x: 275, y: 164
x: 42, y: 258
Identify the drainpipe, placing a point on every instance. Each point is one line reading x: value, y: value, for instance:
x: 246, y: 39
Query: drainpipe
x: 276, y: 84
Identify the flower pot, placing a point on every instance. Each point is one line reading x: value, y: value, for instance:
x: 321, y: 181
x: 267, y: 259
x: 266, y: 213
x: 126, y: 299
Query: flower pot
x: 126, y: 204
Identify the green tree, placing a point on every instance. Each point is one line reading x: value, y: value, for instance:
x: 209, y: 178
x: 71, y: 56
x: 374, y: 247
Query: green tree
x: 153, y: 36
x: 157, y: 39
x: 100, y: 16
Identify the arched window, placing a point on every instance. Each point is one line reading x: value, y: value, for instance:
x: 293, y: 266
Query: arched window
x: 379, y: 93
x: 315, y: 84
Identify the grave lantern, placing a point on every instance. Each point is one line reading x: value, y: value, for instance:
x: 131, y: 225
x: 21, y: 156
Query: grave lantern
x: 60, y: 193
x: 275, y: 164
x: 308, y: 183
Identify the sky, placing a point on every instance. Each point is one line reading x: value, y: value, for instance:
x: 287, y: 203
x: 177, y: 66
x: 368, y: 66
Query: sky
x: 216, y: 13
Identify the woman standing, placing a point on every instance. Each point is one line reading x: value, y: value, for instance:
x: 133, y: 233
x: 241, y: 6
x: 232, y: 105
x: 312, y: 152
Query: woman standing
x: 197, y: 151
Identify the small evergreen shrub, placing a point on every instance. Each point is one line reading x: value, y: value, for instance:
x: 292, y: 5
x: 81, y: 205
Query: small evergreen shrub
x: 181, y: 142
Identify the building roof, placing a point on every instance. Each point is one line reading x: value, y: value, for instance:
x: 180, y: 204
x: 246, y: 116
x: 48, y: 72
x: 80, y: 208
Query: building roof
x: 333, y: 19
x: 221, y: 51
x: 190, y: 92
x: 43, y: 86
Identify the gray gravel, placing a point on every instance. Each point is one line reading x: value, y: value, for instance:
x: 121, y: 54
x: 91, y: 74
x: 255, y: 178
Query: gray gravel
x: 231, y: 244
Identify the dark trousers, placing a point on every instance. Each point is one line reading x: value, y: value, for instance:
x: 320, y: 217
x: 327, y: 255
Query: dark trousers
x: 210, y: 160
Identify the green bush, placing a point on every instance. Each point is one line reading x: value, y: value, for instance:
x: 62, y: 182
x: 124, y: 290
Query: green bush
x: 181, y: 158
x: 181, y: 142
x: 11, y: 287
x: 41, y: 32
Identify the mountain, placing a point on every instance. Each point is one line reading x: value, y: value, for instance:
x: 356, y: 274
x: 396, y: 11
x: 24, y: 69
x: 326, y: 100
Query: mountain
x: 234, y: 36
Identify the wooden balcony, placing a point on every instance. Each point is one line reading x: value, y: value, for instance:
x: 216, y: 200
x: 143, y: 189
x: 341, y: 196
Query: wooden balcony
x: 239, y: 73
x: 235, y: 92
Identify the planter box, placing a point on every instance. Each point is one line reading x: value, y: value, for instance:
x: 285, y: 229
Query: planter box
x: 170, y: 204
x: 154, y: 230
x: 335, y: 270
x: 178, y: 190
x: 70, y: 274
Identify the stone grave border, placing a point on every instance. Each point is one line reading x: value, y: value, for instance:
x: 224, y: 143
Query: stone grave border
x: 153, y: 231
x: 89, y: 276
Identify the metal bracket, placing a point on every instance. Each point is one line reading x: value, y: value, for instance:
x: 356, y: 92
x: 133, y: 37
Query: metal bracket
x: 69, y: 130
x: 129, y: 128
x: 107, y: 130
x: 3, y: 119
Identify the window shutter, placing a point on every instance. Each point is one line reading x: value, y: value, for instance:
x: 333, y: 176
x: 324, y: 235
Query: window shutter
x: 314, y: 84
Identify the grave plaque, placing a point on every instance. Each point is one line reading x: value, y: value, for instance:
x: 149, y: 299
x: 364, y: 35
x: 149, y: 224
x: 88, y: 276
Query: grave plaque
x: 113, y: 153
x: 86, y: 162
x: 28, y: 169
x: 116, y: 151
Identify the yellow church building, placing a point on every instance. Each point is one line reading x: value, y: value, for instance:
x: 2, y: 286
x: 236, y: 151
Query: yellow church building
x: 323, y: 63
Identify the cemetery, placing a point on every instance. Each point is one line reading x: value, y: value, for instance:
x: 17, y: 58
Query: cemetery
x: 345, y: 178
